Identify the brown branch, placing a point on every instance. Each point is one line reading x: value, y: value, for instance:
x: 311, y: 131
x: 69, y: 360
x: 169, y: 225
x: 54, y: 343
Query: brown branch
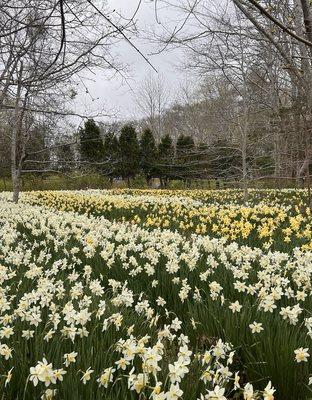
x: 282, y: 52
x: 267, y: 14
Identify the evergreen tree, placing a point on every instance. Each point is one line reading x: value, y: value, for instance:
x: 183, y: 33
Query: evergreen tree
x: 165, y: 156
x: 111, y: 156
x: 185, y: 157
x: 165, y: 147
x: 185, y: 144
x: 148, y: 154
x: 91, y: 144
x: 225, y: 161
x: 203, y: 170
x: 129, y: 153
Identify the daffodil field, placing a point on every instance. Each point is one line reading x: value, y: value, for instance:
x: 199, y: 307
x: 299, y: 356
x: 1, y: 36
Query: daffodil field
x: 161, y: 295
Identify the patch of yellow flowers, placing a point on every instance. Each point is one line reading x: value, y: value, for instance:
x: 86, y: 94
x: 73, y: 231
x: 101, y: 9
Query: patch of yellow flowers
x: 273, y: 222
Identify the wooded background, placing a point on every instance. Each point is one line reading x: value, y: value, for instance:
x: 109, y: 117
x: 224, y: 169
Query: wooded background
x: 245, y: 114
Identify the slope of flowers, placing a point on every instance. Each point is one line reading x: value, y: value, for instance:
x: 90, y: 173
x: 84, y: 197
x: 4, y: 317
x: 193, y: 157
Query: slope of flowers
x: 99, y: 309
x: 274, y: 223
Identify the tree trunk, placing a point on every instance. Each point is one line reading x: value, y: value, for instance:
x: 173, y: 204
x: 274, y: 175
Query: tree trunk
x: 306, y: 90
x: 4, y: 183
x: 306, y: 163
x: 16, y: 185
x: 306, y: 11
x: 148, y: 181
x: 244, y: 139
x: 16, y: 163
x: 309, y: 191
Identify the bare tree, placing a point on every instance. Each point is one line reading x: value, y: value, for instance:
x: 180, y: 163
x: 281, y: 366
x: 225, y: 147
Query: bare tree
x: 292, y: 21
x: 264, y: 46
x: 153, y: 98
x: 44, y: 45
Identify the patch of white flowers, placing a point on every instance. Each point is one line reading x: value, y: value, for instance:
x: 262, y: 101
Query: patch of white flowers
x: 52, y: 291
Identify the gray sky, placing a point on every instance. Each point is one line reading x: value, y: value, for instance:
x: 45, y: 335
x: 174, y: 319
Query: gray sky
x: 115, y: 94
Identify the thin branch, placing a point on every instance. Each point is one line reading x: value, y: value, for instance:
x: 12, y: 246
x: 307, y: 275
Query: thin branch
x: 267, y: 14
x: 122, y: 34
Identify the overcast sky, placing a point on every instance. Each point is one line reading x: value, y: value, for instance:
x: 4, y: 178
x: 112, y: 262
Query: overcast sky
x: 115, y: 94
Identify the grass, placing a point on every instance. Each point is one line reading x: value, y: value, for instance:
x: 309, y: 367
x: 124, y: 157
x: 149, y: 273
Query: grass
x: 79, y: 181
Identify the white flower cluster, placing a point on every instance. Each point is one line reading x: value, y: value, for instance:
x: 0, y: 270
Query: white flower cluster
x: 87, y: 295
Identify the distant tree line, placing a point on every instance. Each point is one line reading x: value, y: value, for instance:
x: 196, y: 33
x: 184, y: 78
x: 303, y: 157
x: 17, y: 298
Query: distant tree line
x: 127, y: 154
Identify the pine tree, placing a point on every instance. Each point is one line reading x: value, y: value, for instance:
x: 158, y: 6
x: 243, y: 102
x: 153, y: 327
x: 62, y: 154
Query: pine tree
x: 184, y: 146
x: 185, y: 157
x: 111, y: 156
x: 165, y: 147
x: 165, y: 156
x: 129, y: 153
x: 148, y: 155
x: 225, y: 161
x: 203, y: 170
x: 91, y: 144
